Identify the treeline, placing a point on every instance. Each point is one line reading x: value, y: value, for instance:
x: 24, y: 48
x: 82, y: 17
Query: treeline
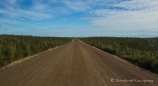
x: 142, y: 52
x: 14, y: 47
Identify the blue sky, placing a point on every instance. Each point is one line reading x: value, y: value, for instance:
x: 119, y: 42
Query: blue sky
x: 79, y: 18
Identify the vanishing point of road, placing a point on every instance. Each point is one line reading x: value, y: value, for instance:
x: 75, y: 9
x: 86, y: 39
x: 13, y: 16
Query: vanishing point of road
x: 76, y: 64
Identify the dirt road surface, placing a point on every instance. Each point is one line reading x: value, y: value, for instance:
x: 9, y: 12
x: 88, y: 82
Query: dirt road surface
x: 76, y: 64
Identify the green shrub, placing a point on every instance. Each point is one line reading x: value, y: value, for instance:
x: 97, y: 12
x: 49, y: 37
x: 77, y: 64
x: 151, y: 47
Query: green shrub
x: 155, y: 65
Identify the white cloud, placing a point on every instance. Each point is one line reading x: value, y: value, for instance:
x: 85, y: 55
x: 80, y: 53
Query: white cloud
x: 139, y: 5
x: 77, y: 5
x: 40, y: 6
x: 11, y: 2
x: 138, y: 16
x: 35, y: 15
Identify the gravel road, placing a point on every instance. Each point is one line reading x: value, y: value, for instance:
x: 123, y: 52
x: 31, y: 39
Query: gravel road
x: 76, y: 64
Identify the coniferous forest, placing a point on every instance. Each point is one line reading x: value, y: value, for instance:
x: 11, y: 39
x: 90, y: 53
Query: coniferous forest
x: 14, y: 47
x: 142, y: 52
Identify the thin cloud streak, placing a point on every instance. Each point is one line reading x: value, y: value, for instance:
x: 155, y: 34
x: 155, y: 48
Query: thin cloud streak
x: 37, y: 11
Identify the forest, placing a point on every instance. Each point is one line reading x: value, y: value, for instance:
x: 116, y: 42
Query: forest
x: 142, y: 52
x: 14, y: 47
